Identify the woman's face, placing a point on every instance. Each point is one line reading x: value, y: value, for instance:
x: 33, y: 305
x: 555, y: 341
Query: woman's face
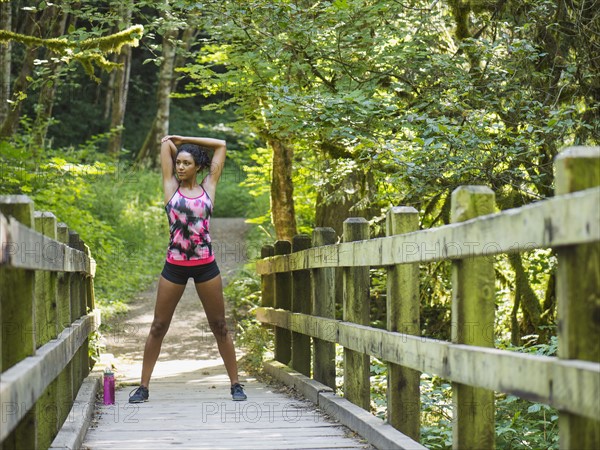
x: 185, y: 167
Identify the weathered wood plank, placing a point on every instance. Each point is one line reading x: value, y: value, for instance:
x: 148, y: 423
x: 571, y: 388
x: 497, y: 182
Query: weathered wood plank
x: 24, y: 382
x: 473, y: 293
x: 25, y: 248
x: 402, y: 301
x: 357, y: 386
x: 569, y: 385
x: 46, y: 407
x: 578, y: 292
x: 323, y: 292
x: 267, y: 281
x: 301, y: 303
x: 546, y: 224
x: 197, y: 412
x: 283, y: 299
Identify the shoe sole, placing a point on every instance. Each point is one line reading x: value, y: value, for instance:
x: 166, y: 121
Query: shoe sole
x: 141, y: 401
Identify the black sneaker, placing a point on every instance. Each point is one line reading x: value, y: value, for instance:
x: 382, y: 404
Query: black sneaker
x: 140, y: 395
x: 237, y: 392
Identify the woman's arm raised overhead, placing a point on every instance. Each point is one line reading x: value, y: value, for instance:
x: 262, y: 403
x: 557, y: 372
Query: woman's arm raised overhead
x: 168, y: 150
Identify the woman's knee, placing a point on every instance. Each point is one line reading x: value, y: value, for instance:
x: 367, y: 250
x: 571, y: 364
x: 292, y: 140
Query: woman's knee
x: 159, y: 328
x: 219, y: 328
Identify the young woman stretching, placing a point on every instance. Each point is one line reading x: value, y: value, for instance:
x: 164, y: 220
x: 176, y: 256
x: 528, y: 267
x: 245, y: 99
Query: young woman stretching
x: 189, y: 205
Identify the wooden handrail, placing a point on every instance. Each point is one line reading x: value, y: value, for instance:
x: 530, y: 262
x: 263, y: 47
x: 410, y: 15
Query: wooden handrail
x: 47, y: 313
x: 568, y: 223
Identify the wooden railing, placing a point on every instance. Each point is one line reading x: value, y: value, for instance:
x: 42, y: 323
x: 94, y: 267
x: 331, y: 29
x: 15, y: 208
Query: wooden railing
x: 47, y: 315
x: 299, y: 292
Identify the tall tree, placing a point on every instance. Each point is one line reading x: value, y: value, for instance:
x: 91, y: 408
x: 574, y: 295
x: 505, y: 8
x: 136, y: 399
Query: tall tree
x: 160, y: 125
x: 119, y: 87
x: 51, y: 78
x: 5, y: 59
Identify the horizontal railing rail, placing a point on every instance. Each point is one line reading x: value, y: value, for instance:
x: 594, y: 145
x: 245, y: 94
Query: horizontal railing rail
x: 545, y: 224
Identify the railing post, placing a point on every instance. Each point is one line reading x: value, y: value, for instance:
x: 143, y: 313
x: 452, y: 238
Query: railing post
x: 45, y: 283
x: 403, y: 393
x: 357, y: 386
x: 473, y: 323
x: 18, y: 316
x: 47, y: 405
x: 78, y: 305
x: 267, y: 282
x: 63, y: 317
x: 577, y: 288
x: 323, y: 305
x: 283, y: 300
x: 301, y: 352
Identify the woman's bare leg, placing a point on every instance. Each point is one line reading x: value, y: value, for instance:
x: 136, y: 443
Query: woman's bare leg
x: 211, y: 296
x: 167, y: 298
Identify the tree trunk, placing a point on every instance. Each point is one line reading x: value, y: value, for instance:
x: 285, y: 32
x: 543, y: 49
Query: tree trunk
x: 530, y: 304
x: 5, y: 60
x: 48, y: 89
x: 282, y: 190
x: 160, y: 126
x: 11, y: 121
x: 120, y: 86
x: 335, y: 203
x: 188, y: 38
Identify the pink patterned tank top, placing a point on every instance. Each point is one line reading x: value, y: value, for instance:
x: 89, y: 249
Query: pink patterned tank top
x: 189, y: 220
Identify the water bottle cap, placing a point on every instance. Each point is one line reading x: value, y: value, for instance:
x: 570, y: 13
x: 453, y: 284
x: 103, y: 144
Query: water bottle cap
x: 108, y: 371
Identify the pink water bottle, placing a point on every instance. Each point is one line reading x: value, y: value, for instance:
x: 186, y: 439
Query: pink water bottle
x: 109, y: 387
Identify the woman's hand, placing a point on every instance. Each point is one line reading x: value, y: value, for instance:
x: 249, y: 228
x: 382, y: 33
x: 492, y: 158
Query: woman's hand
x: 177, y: 140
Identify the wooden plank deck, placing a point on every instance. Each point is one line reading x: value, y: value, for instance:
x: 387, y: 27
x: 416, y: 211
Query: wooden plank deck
x: 190, y: 405
x: 192, y: 410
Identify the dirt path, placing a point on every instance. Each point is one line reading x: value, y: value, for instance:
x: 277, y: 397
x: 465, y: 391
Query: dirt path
x: 189, y: 340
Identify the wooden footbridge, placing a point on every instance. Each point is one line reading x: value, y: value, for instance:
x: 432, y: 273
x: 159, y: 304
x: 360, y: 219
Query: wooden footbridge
x: 47, y: 314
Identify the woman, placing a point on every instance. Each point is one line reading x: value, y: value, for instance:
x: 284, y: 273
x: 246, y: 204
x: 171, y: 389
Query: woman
x: 189, y: 206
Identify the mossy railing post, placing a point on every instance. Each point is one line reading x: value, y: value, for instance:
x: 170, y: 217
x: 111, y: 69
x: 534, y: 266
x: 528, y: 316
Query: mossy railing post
x: 577, y: 289
x: 267, y: 282
x: 323, y: 291
x: 18, y: 321
x: 283, y: 300
x: 64, y: 380
x: 473, y: 307
x: 77, y: 311
x: 357, y: 386
x: 403, y: 391
x: 47, y: 406
x: 301, y: 351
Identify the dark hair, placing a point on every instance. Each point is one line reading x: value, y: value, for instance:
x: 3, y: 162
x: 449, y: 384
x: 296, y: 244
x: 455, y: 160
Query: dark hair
x: 199, y: 154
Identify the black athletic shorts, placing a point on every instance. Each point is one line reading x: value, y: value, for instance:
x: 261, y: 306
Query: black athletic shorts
x: 180, y: 274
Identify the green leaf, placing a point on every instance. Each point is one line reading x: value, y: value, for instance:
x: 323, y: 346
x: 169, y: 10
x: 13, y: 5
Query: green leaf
x: 534, y: 408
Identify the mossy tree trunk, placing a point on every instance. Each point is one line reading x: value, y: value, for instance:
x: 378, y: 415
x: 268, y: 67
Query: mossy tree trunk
x: 57, y: 24
x: 120, y: 85
x: 282, y: 190
x: 5, y: 60
x: 149, y: 152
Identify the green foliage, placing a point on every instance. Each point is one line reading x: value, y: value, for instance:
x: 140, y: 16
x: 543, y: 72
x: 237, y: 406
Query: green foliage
x: 415, y: 99
x: 519, y: 424
x: 115, y: 209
